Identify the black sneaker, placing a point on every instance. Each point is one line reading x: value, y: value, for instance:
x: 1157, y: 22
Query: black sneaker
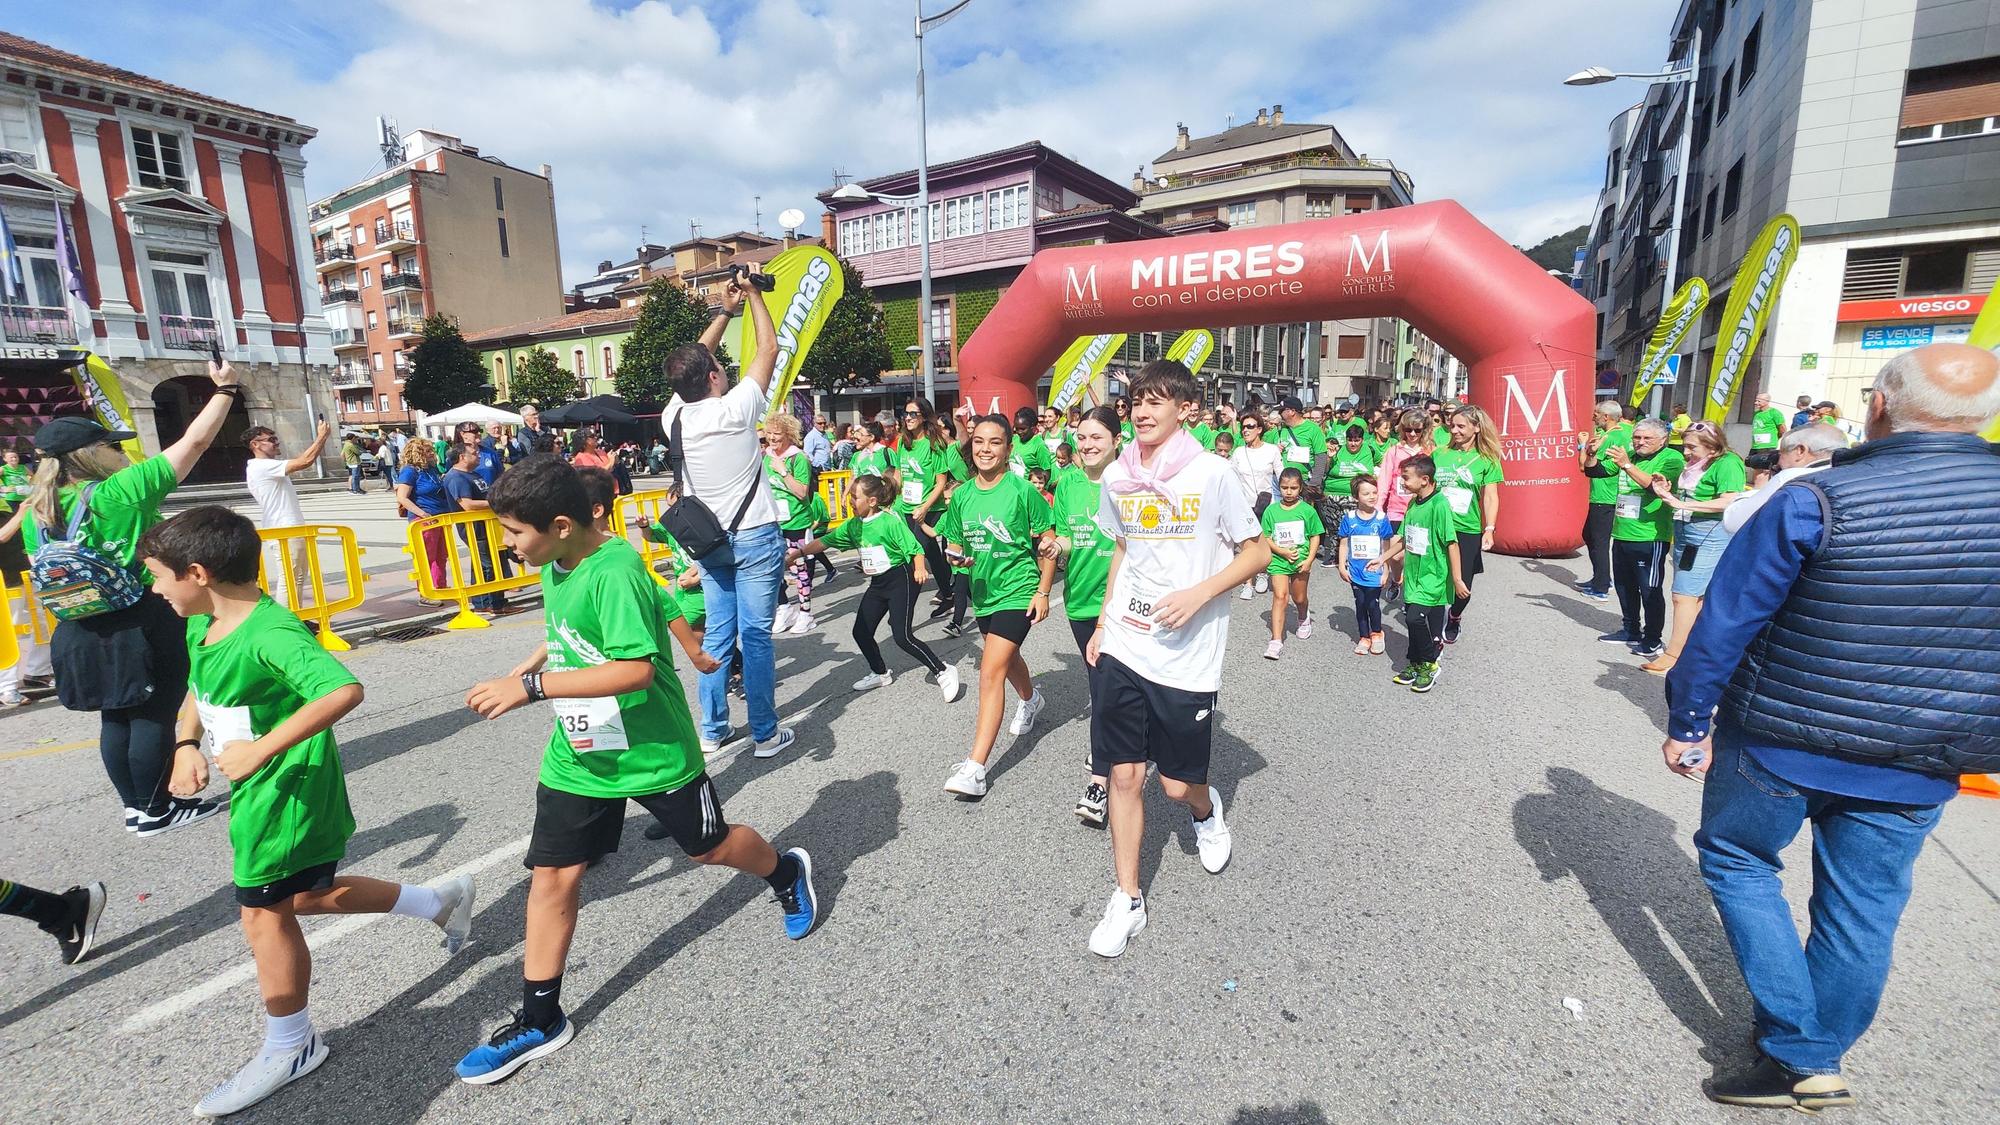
x: 1770, y: 1085
x: 86, y: 906
x: 939, y: 609
x: 182, y: 811
x: 1621, y: 637
x: 1451, y: 627
x: 953, y: 629
x: 1090, y: 807
x: 1649, y: 651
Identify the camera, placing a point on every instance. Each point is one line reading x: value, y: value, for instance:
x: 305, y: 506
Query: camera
x: 750, y: 277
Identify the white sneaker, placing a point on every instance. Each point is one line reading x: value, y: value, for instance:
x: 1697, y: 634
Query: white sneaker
x: 1121, y: 920
x: 775, y: 745
x: 968, y: 780
x: 949, y: 685
x: 803, y: 624
x: 261, y: 1077
x: 1027, y: 712
x: 1211, y: 836
x: 713, y: 746
x: 1263, y: 583
x: 1305, y: 628
x: 1248, y: 594
x: 782, y: 623
x: 1273, y: 650
x: 872, y: 681
x: 455, y: 913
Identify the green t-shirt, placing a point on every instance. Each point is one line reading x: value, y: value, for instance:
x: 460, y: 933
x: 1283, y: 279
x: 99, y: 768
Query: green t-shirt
x: 292, y: 813
x: 123, y: 507
x: 1462, y: 475
x: 1604, y: 490
x: 871, y: 462
x: 1088, y: 569
x: 952, y: 463
x: 1427, y: 536
x: 884, y: 540
x: 689, y: 601
x: 1125, y: 430
x: 1766, y: 427
x: 629, y: 745
x: 1030, y: 453
x: 1641, y: 516
x: 1440, y: 438
x: 1725, y: 474
x: 797, y: 509
x: 1347, y: 464
x: 1299, y: 445
x: 919, y: 468
x: 1205, y: 434
x: 1293, y: 526
x: 14, y: 482
x: 998, y: 527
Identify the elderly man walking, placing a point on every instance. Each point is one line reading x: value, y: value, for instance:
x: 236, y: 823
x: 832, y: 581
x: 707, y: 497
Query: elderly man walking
x: 1848, y: 658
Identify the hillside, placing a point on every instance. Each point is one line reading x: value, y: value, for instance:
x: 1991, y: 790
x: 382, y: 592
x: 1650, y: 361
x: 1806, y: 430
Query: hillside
x: 1558, y: 252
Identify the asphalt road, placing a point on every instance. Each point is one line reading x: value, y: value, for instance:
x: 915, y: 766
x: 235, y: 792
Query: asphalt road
x: 1419, y: 882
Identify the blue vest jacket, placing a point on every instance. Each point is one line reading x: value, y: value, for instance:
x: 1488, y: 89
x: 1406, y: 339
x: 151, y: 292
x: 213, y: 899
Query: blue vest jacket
x: 1888, y: 649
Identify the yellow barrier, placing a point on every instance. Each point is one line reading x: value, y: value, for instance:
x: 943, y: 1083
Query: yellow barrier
x: 40, y: 624
x: 299, y: 580
x: 10, y: 643
x: 457, y: 538
x: 635, y: 511
x: 833, y: 486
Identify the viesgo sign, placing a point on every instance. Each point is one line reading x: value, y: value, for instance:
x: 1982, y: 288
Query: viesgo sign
x: 1914, y: 308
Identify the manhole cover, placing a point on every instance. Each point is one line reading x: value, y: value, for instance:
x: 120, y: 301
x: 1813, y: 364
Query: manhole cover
x: 411, y: 633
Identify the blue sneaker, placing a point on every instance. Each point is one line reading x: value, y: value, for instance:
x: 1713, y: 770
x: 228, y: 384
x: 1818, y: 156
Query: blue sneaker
x: 1595, y: 595
x: 800, y: 902
x: 511, y: 1048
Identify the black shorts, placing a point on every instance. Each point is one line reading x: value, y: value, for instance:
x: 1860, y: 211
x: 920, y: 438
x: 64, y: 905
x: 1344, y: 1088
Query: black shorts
x: 571, y: 828
x: 1007, y: 624
x: 316, y: 878
x: 1133, y: 719
x: 1471, y: 559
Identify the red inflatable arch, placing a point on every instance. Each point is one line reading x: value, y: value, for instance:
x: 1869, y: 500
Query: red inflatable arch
x: 1527, y: 338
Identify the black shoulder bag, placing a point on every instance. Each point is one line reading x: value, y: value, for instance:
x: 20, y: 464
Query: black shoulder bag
x: 690, y: 521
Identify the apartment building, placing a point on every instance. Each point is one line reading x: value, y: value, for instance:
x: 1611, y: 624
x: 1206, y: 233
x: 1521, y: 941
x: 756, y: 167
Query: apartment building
x: 444, y: 230
x: 183, y: 217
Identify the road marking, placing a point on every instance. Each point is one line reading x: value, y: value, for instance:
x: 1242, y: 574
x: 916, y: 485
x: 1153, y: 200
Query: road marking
x: 157, y: 1013
x: 38, y: 751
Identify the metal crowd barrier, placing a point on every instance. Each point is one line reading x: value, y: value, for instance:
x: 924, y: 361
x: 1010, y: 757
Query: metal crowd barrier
x: 468, y: 540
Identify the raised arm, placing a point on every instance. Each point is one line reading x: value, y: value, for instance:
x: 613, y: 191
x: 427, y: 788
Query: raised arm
x: 311, y: 454
x: 201, y: 432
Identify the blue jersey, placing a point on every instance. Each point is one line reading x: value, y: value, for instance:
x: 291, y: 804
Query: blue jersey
x: 1365, y: 540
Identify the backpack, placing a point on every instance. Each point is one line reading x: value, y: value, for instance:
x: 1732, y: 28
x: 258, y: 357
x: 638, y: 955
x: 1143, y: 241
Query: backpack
x: 74, y: 580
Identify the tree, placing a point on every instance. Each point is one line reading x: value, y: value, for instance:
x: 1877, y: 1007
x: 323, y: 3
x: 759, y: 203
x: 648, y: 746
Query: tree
x: 668, y: 318
x: 444, y: 370
x: 1558, y: 251
x: 541, y: 380
x: 853, y: 345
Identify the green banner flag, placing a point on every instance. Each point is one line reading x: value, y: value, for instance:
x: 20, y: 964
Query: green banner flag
x: 1079, y: 367
x: 809, y: 282
x: 1192, y: 349
x: 1752, y: 296
x: 1681, y: 314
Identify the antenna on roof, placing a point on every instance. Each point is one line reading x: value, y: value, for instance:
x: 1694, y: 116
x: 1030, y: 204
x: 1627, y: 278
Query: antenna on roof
x: 642, y: 238
x: 694, y: 228
x: 391, y: 142
x: 757, y: 203
x: 840, y: 178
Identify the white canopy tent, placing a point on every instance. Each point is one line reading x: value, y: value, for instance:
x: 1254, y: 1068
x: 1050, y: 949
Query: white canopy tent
x: 470, y: 412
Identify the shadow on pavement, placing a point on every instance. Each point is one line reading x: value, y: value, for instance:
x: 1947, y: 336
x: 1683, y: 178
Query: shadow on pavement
x: 432, y: 728
x: 1642, y: 689
x: 1630, y: 864
x: 1231, y: 760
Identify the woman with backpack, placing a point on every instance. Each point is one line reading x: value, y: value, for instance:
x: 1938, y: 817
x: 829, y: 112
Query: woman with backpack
x: 120, y: 650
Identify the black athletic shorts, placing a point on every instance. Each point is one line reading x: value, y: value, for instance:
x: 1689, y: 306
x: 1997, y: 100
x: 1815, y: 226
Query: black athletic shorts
x: 317, y: 878
x: 1133, y: 719
x: 571, y: 828
x: 1007, y: 624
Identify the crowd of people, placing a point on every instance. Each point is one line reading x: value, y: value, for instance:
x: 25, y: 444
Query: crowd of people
x: 1142, y: 520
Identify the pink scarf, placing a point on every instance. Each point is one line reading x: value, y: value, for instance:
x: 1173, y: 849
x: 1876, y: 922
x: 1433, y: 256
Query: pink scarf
x: 1174, y: 455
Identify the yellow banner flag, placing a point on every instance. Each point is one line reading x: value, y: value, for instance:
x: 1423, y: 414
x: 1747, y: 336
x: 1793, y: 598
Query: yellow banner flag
x: 1681, y: 314
x: 1986, y: 334
x: 809, y: 282
x: 100, y: 388
x: 1192, y: 349
x: 1079, y: 367
x: 1752, y: 296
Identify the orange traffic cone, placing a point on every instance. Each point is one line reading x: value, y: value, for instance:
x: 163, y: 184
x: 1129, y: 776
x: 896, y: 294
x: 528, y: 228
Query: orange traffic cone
x: 1978, y: 785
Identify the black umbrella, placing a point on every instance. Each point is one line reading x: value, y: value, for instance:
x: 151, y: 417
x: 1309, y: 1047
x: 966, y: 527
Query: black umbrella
x: 601, y: 408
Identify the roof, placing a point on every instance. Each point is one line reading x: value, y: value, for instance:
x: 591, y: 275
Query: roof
x: 1248, y: 133
x: 566, y: 324
x: 1075, y: 169
x: 755, y: 257
x: 50, y: 58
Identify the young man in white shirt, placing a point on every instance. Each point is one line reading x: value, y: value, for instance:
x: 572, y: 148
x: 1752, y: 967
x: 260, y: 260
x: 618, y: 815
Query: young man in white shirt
x: 1186, y: 536
x: 269, y: 477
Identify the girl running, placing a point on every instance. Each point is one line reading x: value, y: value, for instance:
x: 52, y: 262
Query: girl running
x: 920, y: 487
x: 1294, y: 529
x: 894, y: 562
x: 994, y: 523
x: 1469, y: 474
x: 1413, y: 429
x: 790, y: 472
x: 1077, y: 538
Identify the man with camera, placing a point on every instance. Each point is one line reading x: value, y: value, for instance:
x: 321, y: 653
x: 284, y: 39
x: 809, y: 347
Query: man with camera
x: 717, y: 464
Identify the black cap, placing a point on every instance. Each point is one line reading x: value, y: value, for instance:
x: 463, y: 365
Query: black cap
x: 73, y: 432
x: 1291, y: 402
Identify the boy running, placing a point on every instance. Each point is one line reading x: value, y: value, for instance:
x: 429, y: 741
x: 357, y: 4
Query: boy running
x: 266, y: 696
x: 1185, y: 535
x: 622, y: 731
x: 1428, y: 544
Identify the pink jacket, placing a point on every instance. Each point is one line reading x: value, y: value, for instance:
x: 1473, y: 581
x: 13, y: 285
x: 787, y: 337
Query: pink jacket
x: 1389, y: 478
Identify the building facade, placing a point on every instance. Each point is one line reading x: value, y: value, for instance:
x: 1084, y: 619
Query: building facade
x: 185, y: 216
x: 588, y: 343
x: 446, y: 230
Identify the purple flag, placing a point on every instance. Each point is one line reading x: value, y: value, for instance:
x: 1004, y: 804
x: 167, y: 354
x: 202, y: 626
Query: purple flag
x: 66, y: 260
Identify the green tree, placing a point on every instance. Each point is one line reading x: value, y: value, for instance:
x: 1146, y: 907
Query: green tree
x: 541, y: 380
x: 668, y: 318
x: 444, y: 370
x: 853, y: 345
x: 1558, y: 251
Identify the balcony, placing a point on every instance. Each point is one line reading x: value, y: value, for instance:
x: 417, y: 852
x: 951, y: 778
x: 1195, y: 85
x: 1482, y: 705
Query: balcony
x: 332, y: 256
x: 28, y: 324
x: 339, y: 295
x: 349, y: 338
x: 402, y: 280
x: 353, y: 375
x: 189, y: 333
x: 402, y: 327
x: 394, y: 236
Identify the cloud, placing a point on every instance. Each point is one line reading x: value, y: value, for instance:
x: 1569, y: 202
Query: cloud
x: 654, y: 114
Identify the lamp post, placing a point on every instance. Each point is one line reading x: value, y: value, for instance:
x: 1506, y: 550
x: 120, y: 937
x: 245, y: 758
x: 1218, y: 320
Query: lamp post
x: 1688, y: 73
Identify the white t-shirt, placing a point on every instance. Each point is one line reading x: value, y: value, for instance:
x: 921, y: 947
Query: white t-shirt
x: 719, y: 440
x: 1741, y: 509
x: 271, y: 487
x: 1168, y: 550
x: 1257, y: 467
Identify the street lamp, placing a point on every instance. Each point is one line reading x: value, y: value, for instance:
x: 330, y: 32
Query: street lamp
x: 1597, y: 76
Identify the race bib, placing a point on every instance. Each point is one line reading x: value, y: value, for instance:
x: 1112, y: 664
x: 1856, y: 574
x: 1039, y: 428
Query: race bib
x: 1137, y: 597
x: 1401, y: 488
x: 224, y: 725
x: 592, y: 724
x: 913, y: 492
x: 1682, y: 515
x: 1299, y: 454
x: 874, y: 560
x: 1763, y: 436
x: 1367, y: 548
x: 1418, y: 540
x: 1460, y: 499
x: 1291, y: 533
x: 1629, y: 505
x: 1017, y: 466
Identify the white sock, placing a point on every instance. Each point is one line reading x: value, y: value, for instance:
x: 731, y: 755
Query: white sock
x: 285, y: 1034
x: 415, y: 901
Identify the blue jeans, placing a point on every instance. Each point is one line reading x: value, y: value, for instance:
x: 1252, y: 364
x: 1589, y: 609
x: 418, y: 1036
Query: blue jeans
x: 354, y: 478
x: 1811, y: 1003
x: 742, y: 600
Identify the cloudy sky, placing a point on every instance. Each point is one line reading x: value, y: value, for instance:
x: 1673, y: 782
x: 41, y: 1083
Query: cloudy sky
x: 659, y: 112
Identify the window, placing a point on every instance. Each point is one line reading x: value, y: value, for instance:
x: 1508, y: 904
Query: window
x: 372, y: 323
x: 1732, y: 188
x: 937, y: 222
x: 381, y: 401
x: 499, y: 203
x: 963, y: 216
x: 1353, y: 347
x: 1049, y: 198
x: 885, y: 229
x: 1933, y: 270
x: 1319, y: 207
x: 158, y: 155
x: 358, y: 236
x: 499, y: 370
x: 503, y: 231
x: 365, y: 277
x: 609, y: 369
x: 1356, y: 204
x: 1243, y: 214
x: 45, y: 290
x: 1723, y: 90
x: 1942, y: 103
x: 376, y: 359
x: 576, y: 362
x: 1007, y: 208
x: 853, y: 237
x: 941, y: 339
x: 1747, y: 65
x: 180, y: 285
